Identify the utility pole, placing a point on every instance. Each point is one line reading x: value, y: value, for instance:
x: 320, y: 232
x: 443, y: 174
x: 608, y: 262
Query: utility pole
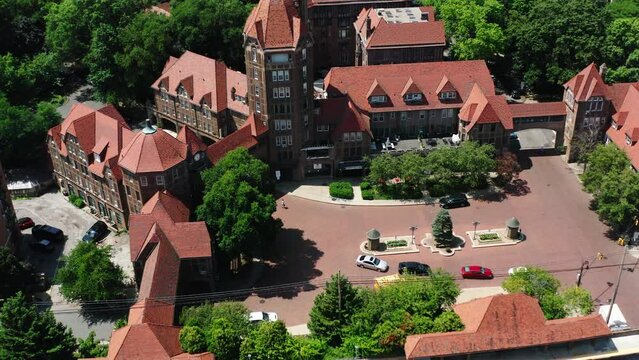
x: 614, y: 295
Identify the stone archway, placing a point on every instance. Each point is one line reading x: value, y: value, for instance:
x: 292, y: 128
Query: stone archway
x: 537, y: 138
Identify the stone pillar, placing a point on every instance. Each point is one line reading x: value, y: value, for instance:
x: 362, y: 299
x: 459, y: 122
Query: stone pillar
x: 513, y: 228
x: 373, y: 236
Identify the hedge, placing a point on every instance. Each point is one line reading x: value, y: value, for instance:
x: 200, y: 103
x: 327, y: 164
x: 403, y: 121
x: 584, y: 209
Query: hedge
x: 489, y: 236
x: 365, y: 185
x: 368, y: 194
x: 341, y: 189
x: 396, y: 243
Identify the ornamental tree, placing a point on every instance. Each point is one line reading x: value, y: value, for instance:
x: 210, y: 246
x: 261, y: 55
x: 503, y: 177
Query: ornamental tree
x: 270, y: 340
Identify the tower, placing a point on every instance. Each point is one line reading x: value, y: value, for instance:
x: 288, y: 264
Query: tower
x: 279, y: 68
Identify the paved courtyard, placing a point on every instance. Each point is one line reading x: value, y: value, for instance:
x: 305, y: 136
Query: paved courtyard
x: 53, y: 209
x: 320, y: 239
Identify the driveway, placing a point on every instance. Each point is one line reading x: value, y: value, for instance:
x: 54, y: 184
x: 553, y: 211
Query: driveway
x: 536, y: 139
x: 81, y: 95
x: 54, y: 209
x: 321, y: 239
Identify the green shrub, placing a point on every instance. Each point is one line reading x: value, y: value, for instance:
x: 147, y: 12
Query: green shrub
x: 368, y: 194
x: 365, y: 185
x: 76, y: 201
x: 341, y: 189
x: 396, y: 243
x: 489, y: 236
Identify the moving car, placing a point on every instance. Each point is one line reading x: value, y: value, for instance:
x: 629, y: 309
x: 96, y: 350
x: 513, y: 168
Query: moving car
x: 476, y: 272
x: 95, y: 232
x: 371, y: 262
x: 46, y: 232
x: 42, y: 246
x: 453, y: 201
x: 513, y: 270
x: 413, y: 267
x: 257, y: 316
x: 25, y: 223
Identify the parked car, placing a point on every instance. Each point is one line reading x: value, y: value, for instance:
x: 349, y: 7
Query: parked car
x: 371, y: 262
x: 45, y: 246
x: 453, y: 201
x: 96, y: 231
x: 25, y: 223
x: 257, y: 316
x: 476, y: 272
x: 413, y: 267
x: 46, y: 232
x: 513, y: 270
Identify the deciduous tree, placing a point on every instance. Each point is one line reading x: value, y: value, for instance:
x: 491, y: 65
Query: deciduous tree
x: 91, y: 348
x: 16, y: 275
x: 26, y: 333
x: 88, y: 274
x: 532, y: 281
x: 193, y: 339
x: 238, y: 206
x: 577, y: 300
x: 270, y: 340
x: 507, y: 167
x: 603, y: 161
x: 621, y: 50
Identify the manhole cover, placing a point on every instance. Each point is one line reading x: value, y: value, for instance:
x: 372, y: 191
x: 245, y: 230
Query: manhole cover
x: 262, y: 301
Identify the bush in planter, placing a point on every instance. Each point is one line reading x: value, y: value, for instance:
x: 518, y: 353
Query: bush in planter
x: 341, y: 189
x: 76, y: 201
x: 368, y: 194
x: 365, y: 185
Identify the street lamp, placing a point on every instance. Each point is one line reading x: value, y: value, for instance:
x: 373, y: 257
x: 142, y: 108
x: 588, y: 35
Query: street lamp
x: 585, y: 264
x: 475, y: 223
x: 412, y: 238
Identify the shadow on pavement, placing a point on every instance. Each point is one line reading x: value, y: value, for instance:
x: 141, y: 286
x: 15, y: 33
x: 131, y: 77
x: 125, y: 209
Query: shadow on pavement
x: 290, y: 266
x: 488, y: 196
x: 517, y: 187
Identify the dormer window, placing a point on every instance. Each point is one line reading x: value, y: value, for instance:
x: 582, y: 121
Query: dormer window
x: 413, y: 97
x: 379, y: 99
x: 448, y: 95
x: 595, y: 103
x: 183, y: 96
x: 206, y: 110
x: 96, y: 158
x: 628, y: 140
x: 614, y: 125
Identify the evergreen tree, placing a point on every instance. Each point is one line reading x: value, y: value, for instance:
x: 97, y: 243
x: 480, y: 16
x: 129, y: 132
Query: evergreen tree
x: 443, y: 228
x: 27, y: 334
x: 332, y: 310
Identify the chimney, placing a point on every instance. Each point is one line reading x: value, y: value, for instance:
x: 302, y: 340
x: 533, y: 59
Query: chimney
x: 425, y: 16
x: 602, y: 70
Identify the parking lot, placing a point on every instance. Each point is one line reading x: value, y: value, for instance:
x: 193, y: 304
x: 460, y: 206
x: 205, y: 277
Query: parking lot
x: 53, y: 209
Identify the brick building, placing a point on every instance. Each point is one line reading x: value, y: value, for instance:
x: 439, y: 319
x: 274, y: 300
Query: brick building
x: 331, y: 23
x: 398, y: 35
x: 499, y: 326
x: 202, y: 93
x: 279, y: 65
x: 9, y: 233
x: 153, y: 161
x: 84, y: 150
x: 624, y: 130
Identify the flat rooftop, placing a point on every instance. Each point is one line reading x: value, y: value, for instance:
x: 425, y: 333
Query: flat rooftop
x: 405, y: 15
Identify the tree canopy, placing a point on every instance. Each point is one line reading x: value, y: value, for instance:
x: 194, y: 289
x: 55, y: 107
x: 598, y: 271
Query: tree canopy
x: 443, y: 228
x: 91, y: 347
x: 238, y: 206
x: 26, y: 333
x: 269, y: 340
x: 89, y: 275
x: 16, y: 276
x: 621, y: 50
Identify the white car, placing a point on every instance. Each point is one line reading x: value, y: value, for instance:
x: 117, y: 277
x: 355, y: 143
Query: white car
x: 257, y: 316
x: 513, y: 270
x: 371, y: 262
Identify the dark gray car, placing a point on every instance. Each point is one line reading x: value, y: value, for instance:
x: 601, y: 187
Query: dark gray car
x: 453, y: 201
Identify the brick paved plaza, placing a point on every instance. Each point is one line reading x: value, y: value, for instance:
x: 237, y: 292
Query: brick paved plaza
x: 320, y: 239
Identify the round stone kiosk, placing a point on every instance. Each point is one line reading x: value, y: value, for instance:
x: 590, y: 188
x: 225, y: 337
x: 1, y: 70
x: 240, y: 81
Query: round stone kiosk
x: 513, y: 228
x: 373, y: 236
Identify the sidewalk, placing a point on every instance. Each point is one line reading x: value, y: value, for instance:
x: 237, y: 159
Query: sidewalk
x: 317, y: 190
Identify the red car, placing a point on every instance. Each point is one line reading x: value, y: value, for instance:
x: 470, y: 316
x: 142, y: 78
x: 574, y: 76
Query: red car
x: 476, y: 272
x: 25, y: 223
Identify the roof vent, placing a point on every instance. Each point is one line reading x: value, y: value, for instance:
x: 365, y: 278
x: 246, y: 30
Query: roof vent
x: 149, y: 129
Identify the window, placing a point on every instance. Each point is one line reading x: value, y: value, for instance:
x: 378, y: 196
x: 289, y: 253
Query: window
x: 159, y: 179
x: 353, y: 136
x: 282, y: 124
x: 282, y: 92
x: 274, y: 75
x: 343, y: 33
x: 288, y: 92
x: 595, y: 103
x: 378, y: 99
x: 254, y: 54
x: 278, y: 141
x: 378, y: 117
x: 279, y: 58
x: 392, y: 116
x: 304, y: 71
x: 206, y: 111
x: 143, y: 181
x: 275, y: 93
x: 422, y: 114
x: 304, y: 86
x: 359, y: 136
x: 183, y: 97
x: 413, y: 97
x: 448, y: 95
x: 258, y: 108
x: 137, y: 195
x: 257, y: 90
x: 447, y: 113
x: 403, y: 116
x: 290, y: 140
x: 255, y: 75
x: 322, y: 128
x: 96, y: 157
x: 303, y: 54
x: 305, y: 119
x: 163, y: 94
x: 346, y: 137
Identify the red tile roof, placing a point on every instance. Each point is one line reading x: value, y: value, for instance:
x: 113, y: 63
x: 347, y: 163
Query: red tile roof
x: 162, y: 8
x: 145, y: 341
x: 103, y: 131
x: 343, y: 115
x: 152, y: 152
x: 151, y: 311
x: 627, y: 122
x: 164, y: 217
x: 617, y: 93
x: 205, y: 79
x: 275, y: 24
x: 356, y: 82
x: 556, y: 108
x: 312, y: 3
x: 193, y: 142
x: 587, y: 83
x: 161, y: 268
x: 482, y: 109
x: 504, y: 322
x: 247, y: 137
x: 385, y: 34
